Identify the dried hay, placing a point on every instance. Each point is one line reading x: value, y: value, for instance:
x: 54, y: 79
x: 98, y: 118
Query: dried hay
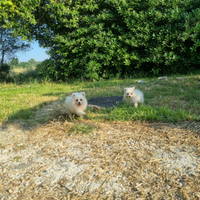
x: 118, y: 160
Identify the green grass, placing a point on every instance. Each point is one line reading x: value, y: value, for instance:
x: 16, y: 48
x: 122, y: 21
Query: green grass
x: 125, y: 113
x: 81, y: 129
x: 172, y: 100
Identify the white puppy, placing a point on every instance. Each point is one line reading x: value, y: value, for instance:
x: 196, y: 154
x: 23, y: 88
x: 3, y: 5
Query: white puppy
x: 133, y: 96
x: 76, y: 104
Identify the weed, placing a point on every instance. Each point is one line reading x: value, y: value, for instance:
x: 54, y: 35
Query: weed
x: 81, y: 129
x: 17, y: 158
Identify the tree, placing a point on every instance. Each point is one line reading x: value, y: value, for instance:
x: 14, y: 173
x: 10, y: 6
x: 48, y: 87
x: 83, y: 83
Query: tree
x: 14, y: 63
x: 24, y: 64
x: 17, y: 14
x: 10, y: 45
x: 95, y: 39
x: 102, y: 38
x: 32, y: 62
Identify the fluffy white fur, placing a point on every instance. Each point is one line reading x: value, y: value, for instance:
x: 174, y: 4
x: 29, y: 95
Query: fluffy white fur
x: 76, y: 104
x: 133, y: 96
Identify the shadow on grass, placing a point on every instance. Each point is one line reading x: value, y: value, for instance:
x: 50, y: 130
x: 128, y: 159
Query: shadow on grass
x: 107, y: 102
x: 115, y: 111
x: 33, y: 116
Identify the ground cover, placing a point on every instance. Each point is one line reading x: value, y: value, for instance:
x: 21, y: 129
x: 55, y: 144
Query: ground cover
x: 117, y: 153
x: 165, y: 100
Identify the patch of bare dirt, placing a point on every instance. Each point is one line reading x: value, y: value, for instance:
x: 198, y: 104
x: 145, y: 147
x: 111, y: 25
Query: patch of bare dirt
x: 118, y: 160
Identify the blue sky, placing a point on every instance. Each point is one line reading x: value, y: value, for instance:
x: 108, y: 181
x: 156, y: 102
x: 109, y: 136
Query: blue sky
x: 35, y: 52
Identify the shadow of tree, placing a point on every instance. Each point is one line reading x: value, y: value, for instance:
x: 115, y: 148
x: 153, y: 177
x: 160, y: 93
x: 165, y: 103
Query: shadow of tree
x: 29, y: 116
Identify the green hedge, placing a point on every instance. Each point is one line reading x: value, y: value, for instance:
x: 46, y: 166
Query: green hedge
x: 93, y: 39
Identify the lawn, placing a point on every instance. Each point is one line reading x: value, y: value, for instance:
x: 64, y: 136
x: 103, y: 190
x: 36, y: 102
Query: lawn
x: 165, y: 100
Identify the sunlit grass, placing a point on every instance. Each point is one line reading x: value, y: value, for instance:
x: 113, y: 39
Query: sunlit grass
x: 171, y: 100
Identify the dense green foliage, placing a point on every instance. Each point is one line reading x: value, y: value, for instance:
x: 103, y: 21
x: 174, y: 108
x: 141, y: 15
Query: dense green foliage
x: 4, y: 70
x: 117, y: 38
x: 93, y: 39
x: 18, y: 15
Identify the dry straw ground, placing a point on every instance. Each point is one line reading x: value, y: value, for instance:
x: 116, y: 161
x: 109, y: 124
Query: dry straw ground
x: 116, y: 160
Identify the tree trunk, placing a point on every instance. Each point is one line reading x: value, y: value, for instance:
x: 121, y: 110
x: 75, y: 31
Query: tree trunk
x: 2, y: 57
x: 2, y: 49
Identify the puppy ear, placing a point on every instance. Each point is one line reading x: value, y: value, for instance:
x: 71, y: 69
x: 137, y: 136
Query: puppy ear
x: 83, y: 93
x: 73, y: 95
x: 133, y: 88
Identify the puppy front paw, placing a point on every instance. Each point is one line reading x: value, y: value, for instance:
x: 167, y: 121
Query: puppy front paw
x: 136, y: 105
x: 81, y: 113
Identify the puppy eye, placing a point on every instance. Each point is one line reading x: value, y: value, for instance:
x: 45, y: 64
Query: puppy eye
x: 130, y: 93
x: 127, y: 93
x: 80, y: 99
x: 76, y: 99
